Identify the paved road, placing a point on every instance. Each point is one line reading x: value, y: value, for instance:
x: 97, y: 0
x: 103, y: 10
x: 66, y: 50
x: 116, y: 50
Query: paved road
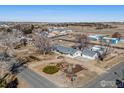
x: 34, y: 80
x: 106, y: 80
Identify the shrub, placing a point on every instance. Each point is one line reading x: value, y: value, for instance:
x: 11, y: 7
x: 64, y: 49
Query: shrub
x: 50, y: 69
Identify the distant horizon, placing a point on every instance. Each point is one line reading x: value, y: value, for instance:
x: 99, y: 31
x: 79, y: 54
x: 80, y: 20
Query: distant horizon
x: 66, y: 22
x: 62, y: 13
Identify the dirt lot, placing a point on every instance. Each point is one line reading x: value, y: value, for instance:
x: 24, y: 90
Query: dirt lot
x: 60, y: 78
x: 93, y: 30
x: 110, y: 61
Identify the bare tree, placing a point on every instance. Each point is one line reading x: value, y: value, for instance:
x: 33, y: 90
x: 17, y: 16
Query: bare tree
x: 25, y: 28
x: 43, y: 43
x: 6, y: 62
x: 116, y: 35
x: 83, y: 40
x: 7, y: 55
x: 107, y: 49
x: 7, y: 78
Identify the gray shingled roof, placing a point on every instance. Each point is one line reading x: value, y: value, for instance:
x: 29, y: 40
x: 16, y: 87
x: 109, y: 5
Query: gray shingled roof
x: 64, y: 50
x: 88, y: 52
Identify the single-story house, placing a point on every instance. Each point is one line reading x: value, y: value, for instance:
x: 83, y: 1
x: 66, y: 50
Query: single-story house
x: 86, y: 53
x: 97, y: 48
x: 70, y: 52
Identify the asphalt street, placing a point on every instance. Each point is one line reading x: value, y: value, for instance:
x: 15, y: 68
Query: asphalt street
x: 34, y: 80
x: 107, y: 80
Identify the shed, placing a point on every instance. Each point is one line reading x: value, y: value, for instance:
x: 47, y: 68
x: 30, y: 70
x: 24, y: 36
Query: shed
x: 112, y: 40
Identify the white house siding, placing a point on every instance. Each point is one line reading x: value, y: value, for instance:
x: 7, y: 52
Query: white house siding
x: 94, y: 37
x: 76, y: 54
x: 89, y: 57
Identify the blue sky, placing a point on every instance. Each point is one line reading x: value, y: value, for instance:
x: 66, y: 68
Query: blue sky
x: 59, y: 13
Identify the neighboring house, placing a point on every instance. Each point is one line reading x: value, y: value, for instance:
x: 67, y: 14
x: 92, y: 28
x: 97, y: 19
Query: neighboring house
x: 111, y: 40
x: 44, y: 33
x: 95, y: 37
x: 86, y: 53
x: 4, y: 25
x: 62, y: 32
x: 98, y: 49
x: 104, y: 39
x: 70, y: 52
x: 58, y: 31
